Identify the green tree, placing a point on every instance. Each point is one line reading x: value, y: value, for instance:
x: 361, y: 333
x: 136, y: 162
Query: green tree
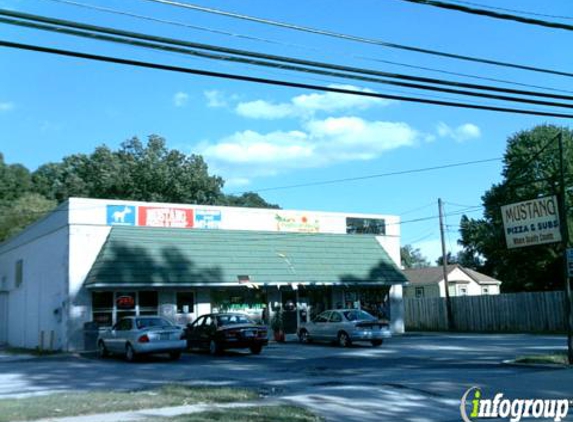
x: 248, y: 199
x: 531, y: 169
x: 15, y: 180
x: 412, y: 258
x: 19, y: 213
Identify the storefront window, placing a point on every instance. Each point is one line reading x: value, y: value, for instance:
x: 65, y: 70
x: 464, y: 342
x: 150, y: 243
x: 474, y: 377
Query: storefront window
x: 148, y: 303
x: 102, y: 304
x: 185, y: 302
x: 365, y: 226
x: 244, y: 300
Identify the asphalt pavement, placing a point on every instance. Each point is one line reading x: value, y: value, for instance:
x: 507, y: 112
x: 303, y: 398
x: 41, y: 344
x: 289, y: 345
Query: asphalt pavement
x: 416, y: 377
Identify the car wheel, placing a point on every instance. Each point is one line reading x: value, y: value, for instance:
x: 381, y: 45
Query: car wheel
x: 343, y: 339
x: 130, y: 355
x: 214, y: 348
x: 303, y: 336
x: 256, y: 349
x: 175, y: 355
x: 102, y: 350
x: 376, y: 343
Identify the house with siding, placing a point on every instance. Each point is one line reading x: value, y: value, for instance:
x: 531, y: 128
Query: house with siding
x: 429, y: 282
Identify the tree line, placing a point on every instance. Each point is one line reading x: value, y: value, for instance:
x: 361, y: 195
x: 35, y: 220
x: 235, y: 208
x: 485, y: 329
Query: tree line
x: 136, y: 171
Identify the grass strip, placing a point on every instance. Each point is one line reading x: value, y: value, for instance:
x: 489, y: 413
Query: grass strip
x: 553, y: 358
x: 249, y: 414
x: 74, y: 404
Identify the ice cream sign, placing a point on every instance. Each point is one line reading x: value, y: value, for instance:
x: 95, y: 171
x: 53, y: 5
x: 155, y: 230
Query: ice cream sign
x: 165, y: 217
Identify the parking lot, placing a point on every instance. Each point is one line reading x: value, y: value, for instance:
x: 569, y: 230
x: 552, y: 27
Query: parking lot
x: 415, y: 377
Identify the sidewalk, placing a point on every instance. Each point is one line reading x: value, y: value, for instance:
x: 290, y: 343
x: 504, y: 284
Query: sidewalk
x: 164, y: 412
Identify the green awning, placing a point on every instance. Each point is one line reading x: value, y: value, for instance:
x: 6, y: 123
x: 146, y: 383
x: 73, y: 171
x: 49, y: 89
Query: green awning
x: 155, y: 257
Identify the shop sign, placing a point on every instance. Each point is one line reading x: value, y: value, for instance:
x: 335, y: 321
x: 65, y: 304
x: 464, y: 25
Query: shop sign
x: 165, y: 217
x: 298, y: 223
x: 125, y: 302
x: 207, y: 219
x: 120, y: 215
x: 533, y: 222
x: 570, y: 262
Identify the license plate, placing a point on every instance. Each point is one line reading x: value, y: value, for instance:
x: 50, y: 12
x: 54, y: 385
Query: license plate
x: 163, y: 336
x: 249, y: 333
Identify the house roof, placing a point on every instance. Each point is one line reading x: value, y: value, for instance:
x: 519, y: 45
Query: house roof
x: 433, y: 275
x: 150, y: 257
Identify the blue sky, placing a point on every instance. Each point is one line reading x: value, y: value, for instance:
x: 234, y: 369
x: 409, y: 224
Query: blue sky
x: 259, y: 137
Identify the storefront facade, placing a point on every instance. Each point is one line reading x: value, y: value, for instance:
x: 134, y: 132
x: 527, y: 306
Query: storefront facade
x: 99, y: 260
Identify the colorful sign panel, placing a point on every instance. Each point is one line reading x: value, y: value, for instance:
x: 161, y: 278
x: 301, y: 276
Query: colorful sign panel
x: 120, y: 215
x: 165, y: 217
x: 207, y: 219
x: 297, y: 223
x: 533, y: 222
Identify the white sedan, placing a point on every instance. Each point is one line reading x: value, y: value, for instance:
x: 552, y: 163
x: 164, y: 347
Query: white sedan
x: 345, y: 326
x: 133, y: 336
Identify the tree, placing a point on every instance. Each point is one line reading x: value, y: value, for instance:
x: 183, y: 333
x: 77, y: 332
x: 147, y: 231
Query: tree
x: 249, y: 200
x: 531, y: 170
x: 451, y: 259
x: 412, y: 258
x: 21, y: 212
x: 15, y: 180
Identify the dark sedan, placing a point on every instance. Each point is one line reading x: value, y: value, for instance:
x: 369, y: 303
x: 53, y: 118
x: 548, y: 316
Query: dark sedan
x: 218, y: 332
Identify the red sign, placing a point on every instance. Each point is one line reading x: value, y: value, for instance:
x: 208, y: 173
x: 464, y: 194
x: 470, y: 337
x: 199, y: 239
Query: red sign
x: 165, y: 217
x: 125, y: 302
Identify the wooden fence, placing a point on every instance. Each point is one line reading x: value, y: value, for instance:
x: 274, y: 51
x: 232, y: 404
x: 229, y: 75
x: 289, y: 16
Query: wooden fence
x: 515, y: 312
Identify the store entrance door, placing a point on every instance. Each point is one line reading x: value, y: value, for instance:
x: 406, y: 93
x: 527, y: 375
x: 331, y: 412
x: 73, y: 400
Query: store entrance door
x: 289, y: 311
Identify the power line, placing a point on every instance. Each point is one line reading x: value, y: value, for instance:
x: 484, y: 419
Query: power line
x: 358, y: 39
x: 521, y: 12
x: 275, y: 42
x: 256, y: 62
x: 375, y: 176
x: 275, y: 82
x: 266, y: 40
x: 491, y: 14
x: 268, y: 57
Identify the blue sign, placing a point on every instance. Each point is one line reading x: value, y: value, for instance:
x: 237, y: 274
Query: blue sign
x: 207, y: 219
x: 120, y: 215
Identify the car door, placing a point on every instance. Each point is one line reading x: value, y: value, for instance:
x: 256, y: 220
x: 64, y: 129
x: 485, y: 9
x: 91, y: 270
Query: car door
x: 334, y: 325
x: 207, y: 331
x: 118, y: 335
x: 193, y: 332
x: 318, y: 327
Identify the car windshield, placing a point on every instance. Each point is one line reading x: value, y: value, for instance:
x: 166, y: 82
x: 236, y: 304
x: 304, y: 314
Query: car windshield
x: 232, y: 320
x: 153, y: 323
x: 357, y: 315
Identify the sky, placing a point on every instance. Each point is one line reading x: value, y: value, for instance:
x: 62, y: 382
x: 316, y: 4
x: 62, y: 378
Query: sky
x: 264, y: 138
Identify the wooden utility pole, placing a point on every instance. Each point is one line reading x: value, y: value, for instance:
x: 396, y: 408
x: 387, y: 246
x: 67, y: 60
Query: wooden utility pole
x: 449, y: 316
x: 565, y: 243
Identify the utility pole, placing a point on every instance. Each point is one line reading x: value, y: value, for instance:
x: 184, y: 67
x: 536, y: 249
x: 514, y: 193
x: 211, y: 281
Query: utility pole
x: 449, y: 315
x: 565, y: 245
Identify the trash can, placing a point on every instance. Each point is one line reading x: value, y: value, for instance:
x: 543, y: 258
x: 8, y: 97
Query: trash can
x: 91, y: 332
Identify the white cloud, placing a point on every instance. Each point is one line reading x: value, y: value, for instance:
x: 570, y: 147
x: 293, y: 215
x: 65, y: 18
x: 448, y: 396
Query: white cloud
x: 180, y: 99
x: 307, y: 105
x: 319, y: 143
x: 461, y: 133
x: 7, y: 106
x: 216, y: 99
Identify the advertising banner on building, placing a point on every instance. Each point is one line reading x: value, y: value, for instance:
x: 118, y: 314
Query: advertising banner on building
x: 207, y: 219
x: 120, y: 215
x: 533, y: 222
x: 297, y: 223
x: 165, y: 217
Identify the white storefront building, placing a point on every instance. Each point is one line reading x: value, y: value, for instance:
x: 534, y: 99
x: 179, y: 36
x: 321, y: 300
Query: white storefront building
x: 95, y: 260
